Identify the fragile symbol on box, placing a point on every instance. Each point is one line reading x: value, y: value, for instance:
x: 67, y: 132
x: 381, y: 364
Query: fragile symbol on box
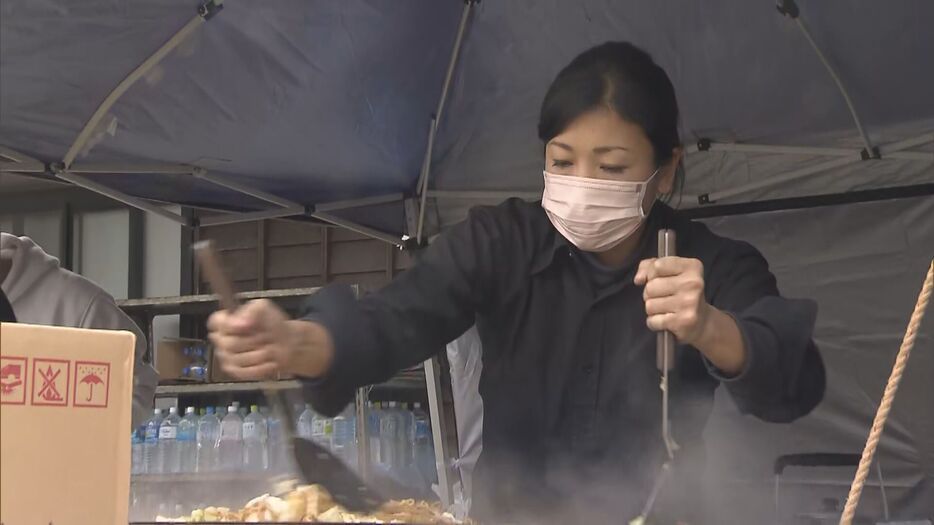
x: 13, y: 380
x: 92, y: 384
x: 50, y: 379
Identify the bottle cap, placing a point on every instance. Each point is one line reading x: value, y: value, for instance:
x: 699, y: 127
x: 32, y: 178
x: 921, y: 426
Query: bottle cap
x: 232, y: 408
x: 189, y: 410
x: 254, y: 409
x: 173, y: 410
x: 209, y: 410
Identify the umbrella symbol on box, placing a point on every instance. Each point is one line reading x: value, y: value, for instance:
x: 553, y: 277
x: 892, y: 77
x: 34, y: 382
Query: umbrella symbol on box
x: 94, y: 384
x: 91, y: 380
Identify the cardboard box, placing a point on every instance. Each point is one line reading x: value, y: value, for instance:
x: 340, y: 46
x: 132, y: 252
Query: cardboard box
x: 171, y: 359
x: 65, y: 404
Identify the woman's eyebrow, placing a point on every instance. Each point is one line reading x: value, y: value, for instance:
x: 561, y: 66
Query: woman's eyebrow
x: 607, y: 149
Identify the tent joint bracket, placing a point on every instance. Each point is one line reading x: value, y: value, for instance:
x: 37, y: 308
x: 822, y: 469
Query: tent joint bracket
x: 703, y: 144
x: 788, y: 8
x: 870, y: 155
x: 210, y: 8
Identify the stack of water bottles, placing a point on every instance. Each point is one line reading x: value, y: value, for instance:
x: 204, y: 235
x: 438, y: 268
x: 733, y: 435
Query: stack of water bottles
x: 233, y: 440
x: 197, y: 368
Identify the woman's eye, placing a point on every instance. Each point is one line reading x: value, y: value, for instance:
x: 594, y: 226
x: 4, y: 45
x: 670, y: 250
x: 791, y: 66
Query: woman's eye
x: 613, y: 169
x: 557, y: 163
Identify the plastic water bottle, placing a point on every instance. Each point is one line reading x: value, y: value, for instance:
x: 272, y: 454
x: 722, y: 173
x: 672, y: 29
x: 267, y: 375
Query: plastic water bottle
x: 388, y: 439
x: 187, y: 442
x: 305, y: 423
x: 231, y: 441
x: 138, y: 437
x: 344, y: 437
x: 151, y: 460
x: 407, y: 434
x: 168, y: 442
x: 198, y: 372
x: 322, y: 428
x: 424, y: 446
x: 372, y: 430
x: 208, y: 438
x: 255, y: 435
x: 194, y: 352
x: 275, y: 443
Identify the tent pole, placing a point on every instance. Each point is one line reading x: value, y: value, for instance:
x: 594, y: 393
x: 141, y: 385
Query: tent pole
x: 289, y: 208
x: 244, y: 189
x: 790, y: 9
x: 356, y: 203
x: 205, y: 12
x: 424, y: 176
x: 22, y: 167
x: 234, y: 218
x: 484, y: 195
x: 423, y: 181
x: 706, y: 146
x: 17, y: 157
x: 358, y: 228
x: 127, y: 169
x: 870, y: 151
x: 811, y: 170
x: 129, y: 200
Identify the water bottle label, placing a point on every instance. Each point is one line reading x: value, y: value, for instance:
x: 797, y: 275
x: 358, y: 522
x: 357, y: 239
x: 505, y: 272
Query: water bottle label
x: 317, y: 427
x: 249, y: 430
x: 229, y: 432
x: 168, y: 433
x: 422, y: 430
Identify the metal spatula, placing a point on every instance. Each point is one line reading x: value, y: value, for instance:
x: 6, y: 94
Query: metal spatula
x: 665, y: 360
x: 316, y: 464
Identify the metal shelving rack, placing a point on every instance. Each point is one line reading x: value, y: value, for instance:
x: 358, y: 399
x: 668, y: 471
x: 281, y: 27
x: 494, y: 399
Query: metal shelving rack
x: 429, y: 381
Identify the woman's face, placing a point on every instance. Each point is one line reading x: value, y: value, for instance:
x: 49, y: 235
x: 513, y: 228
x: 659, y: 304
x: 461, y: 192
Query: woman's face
x: 601, y: 145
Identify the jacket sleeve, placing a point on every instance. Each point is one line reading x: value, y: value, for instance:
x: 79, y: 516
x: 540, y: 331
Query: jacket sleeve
x: 413, y: 317
x: 784, y: 376
x: 103, y: 313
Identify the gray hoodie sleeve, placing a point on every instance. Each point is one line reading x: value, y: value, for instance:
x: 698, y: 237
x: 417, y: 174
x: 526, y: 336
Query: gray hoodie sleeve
x: 103, y: 313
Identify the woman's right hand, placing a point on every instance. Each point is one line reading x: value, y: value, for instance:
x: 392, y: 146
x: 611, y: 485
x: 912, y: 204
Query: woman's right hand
x: 259, y: 341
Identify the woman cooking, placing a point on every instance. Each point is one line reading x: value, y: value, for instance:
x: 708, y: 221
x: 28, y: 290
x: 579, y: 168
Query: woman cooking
x: 567, y: 295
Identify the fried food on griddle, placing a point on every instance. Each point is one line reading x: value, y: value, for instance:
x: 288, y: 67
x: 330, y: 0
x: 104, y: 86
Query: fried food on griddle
x: 312, y: 503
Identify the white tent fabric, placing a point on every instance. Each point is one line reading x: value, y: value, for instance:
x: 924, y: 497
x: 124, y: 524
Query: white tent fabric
x: 864, y: 265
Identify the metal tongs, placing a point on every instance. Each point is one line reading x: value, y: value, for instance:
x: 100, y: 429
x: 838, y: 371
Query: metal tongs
x: 316, y: 464
x: 665, y: 358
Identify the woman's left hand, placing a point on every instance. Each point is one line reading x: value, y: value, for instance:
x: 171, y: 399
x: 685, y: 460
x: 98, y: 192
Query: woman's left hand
x: 674, y: 296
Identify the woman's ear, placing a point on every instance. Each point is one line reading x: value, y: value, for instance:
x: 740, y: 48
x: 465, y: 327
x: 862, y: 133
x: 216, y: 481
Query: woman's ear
x: 666, y: 176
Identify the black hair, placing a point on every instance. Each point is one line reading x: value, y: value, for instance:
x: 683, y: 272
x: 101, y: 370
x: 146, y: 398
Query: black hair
x: 624, y: 78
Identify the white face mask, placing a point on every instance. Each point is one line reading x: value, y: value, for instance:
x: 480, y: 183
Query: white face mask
x: 594, y: 214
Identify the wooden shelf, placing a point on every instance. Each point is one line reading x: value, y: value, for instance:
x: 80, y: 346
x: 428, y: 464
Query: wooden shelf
x: 413, y: 379
x: 238, y: 386
x: 207, y: 303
